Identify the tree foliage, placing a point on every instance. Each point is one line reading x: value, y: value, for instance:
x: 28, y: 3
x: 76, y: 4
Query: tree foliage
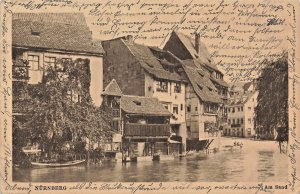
x: 272, y: 101
x: 61, y: 108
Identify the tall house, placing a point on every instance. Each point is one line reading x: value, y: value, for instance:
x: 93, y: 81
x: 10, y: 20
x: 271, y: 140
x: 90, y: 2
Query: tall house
x: 43, y: 38
x: 206, y: 92
x: 150, y: 72
x: 240, y: 110
x: 143, y: 123
x: 187, y: 48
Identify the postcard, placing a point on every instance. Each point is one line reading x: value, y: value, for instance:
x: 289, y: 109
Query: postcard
x: 137, y: 96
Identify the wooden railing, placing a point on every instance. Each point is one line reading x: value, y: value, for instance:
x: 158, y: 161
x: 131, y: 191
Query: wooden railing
x: 148, y: 130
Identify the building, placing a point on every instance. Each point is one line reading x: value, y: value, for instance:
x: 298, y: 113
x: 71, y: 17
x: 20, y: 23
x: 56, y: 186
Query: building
x: 43, y: 38
x: 188, y: 48
x: 240, y: 110
x: 142, y: 122
x: 206, y: 92
x: 150, y: 72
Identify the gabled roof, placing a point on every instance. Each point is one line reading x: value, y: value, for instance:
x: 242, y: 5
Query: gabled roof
x: 240, y: 99
x: 53, y: 31
x: 201, y: 83
x: 219, y: 81
x: 112, y: 89
x: 247, y: 86
x: 143, y: 106
x: 240, y: 86
x: 203, y: 57
x: 62, y: 18
x: 151, y: 63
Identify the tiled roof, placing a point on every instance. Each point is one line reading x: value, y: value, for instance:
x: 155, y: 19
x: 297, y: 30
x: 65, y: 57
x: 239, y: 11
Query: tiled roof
x: 151, y: 63
x: 219, y: 81
x: 247, y: 85
x: 240, y: 99
x: 240, y: 86
x: 203, y: 57
x: 143, y: 106
x: 201, y: 83
x: 112, y: 89
x: 62, y: 18
x: 63, y: 32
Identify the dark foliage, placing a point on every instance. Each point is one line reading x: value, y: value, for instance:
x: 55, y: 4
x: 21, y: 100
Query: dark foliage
x: 272, y: 101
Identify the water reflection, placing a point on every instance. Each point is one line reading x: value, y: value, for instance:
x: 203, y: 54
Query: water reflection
x: 256, y: 164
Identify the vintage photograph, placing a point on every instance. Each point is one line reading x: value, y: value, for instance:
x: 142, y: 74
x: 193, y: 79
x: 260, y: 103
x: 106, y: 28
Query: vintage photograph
x: 91, y: 109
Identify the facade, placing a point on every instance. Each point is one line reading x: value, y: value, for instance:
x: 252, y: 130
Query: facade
x: 240, y: 110
x: 42, y: 39
x: 206, y: 92
x: 150, y: 72
x: 142, y: 122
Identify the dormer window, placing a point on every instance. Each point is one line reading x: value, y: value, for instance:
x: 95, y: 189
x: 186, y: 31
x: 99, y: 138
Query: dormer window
x: 35, y: 33
x: 200, y: 87
x: 138, y: 103
x: 36, y: 28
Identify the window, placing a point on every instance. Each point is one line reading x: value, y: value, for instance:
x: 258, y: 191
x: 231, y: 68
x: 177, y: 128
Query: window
x: 33, y: 62
x: 166, y: 106
x: 238, y: 109
x: 210, y: 108
x: 249, y: 131
x: 249, y: 121
x: 162, y: 86
x: 115, y: 124
x: 181, y: 107
x: 228, y: 121
x: 175, y: 109
x: 177, y: 88
x: 188, y: 128
x: 233, y: 121
x: 228, y: 109
x: 116, y: 112
x: 242, y: 109
x: 136, y: 102
x: 242, y: 120
x: 237, y: 121
x: 196, y: 108
x: 233, y: 110
x: 49, y: 61
x: 188, y: 108
x: 249, y: 108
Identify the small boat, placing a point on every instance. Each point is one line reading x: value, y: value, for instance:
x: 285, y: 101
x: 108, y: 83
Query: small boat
x: 231, y: 148
x: 49, y: 165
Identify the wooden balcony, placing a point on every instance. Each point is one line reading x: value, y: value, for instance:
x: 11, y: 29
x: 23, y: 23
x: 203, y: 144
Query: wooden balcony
x: 146, y: 130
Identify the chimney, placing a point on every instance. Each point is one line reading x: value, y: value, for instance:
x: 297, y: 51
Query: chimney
x: 197, y: 42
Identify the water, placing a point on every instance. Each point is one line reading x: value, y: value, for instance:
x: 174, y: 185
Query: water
x: 257, y: 161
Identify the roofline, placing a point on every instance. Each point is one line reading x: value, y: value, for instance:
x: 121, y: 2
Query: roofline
x: 145, y: 114
x: 100, y: 54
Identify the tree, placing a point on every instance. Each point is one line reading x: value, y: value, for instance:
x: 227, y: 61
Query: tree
x: 272, y: 101
x: 62, y: 110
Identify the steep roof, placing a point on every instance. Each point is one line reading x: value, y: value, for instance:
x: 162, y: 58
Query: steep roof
x: 55, y: 31
x: 150, y: 62
x: 200, y: 81
x: 143, y: 106
x: 112, y: 89
x: 219, y: 81
x: 203, y: 57
x: 240, y: 86
x: 240, y: 99
x: 247, y: 86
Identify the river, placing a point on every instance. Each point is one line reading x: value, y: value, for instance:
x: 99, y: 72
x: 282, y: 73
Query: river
x: 257, y: 161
